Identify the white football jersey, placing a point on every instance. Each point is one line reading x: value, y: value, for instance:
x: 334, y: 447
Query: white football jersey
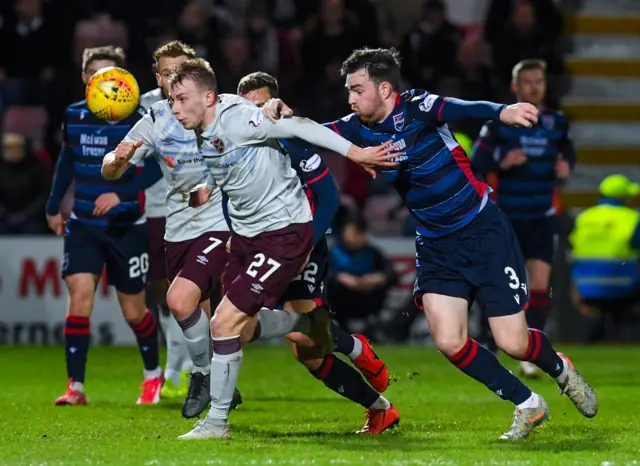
x: 183, y: 167
x: 154, y: 196
x: 251, y: 167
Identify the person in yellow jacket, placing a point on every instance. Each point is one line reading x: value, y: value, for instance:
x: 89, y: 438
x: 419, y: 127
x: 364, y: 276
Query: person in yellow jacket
x: 605, y: 244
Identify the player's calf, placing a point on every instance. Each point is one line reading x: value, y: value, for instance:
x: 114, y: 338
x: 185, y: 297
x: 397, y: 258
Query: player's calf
x: 447, y: 321
x: 343, y: 379
x: 524, y: 344
x: 77, y: 336
x: 359, y: 350
x: 226, y: 327
x: 145, y: 327
x: 183, y: 300
x: 533, y: 345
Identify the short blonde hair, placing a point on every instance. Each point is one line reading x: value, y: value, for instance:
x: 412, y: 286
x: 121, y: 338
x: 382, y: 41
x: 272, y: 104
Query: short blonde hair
x: 174, y: 49
x: 528, y: 65
x: 197, y: 70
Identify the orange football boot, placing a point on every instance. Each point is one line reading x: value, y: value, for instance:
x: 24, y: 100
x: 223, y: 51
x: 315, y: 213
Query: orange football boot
x: 371, y: 366
x: 150, y: 391
x: 72, y: 397
x: 379, y: 420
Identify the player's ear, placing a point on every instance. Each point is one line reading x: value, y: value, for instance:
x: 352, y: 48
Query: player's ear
x: 85, y: 78
x: 514, y: 86
x: 210, y: 98
x: 385, y: 90
x: 159, y: 79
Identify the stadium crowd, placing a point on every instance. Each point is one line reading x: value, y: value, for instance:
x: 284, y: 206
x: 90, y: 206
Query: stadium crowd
x: 302, y: 42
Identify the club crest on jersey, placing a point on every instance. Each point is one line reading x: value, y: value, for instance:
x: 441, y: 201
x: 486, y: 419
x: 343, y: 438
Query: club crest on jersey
x: 548, y: 121
x: 427, y: 104
x: 218, y: 145
x: 312, y: 164
x: 170, y: 161
x: 398, y: 121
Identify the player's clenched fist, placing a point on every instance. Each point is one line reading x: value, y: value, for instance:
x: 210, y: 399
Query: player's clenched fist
x: 125, y: 151
x: 520, y: 114
x: 276, y: 108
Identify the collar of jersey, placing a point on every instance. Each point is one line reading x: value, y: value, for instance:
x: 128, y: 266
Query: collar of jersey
x: 388, y: 124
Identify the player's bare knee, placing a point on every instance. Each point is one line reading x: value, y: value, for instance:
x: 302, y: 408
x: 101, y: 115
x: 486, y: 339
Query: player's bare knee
x: 228, y: 321
x: 133, y: 307
x: 450, y: 343
x: 511, y: 334
x: 182, y: 300
x: 248, y: 333
x: 81, y: 293
x: 80, y: 304
x: 306, y: 351
x: 311, y: 364
x: 515, y: 345
x: 300, y: 340
x: 447, y: 317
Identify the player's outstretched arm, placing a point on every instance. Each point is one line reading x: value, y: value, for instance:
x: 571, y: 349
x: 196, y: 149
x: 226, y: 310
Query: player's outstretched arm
x: 435, y: 110
x: 136, y: 145
x: 260, y: 129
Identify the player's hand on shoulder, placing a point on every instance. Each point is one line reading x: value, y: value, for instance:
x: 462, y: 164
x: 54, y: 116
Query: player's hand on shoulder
x: 125, y: 150
x: 56, y: 223
x: 104, y: 203
x: 275, y: 109
x: 514, y: 158
x: 520, y: 114
x: 375, y: 156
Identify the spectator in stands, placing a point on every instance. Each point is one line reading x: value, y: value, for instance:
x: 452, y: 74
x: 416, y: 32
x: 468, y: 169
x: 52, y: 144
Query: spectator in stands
x: 360, y: 278
x: 198, y: 28
x: 330, y: 35
x: 30, y: 35
x: 429, y: 49
x: 263, y: 39
x: 521, y: 29
x: 366, y: 13
x: 472, y: 80
x: 236, y: 63
x: 24, y: 187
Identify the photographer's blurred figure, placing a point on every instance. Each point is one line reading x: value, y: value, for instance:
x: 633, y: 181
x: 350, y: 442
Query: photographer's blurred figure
x: 360, y: 278
x: 606, y: 271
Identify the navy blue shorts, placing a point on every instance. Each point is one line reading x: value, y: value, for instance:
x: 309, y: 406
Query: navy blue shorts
x: 537, y: 237
x: 123, y: 250
x: 481, y: 262
x: 311, y: 283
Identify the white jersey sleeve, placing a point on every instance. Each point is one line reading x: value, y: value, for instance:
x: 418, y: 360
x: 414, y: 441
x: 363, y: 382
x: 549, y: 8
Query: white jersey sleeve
x: 249, y: 126
x: 141, y: 131
x: 154, y: 200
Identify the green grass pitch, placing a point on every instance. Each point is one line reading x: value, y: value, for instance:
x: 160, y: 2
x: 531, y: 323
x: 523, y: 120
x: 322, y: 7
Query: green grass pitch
x: 290, y: 418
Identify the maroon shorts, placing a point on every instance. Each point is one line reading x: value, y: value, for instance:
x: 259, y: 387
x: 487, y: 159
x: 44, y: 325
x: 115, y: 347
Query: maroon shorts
x: 200, y: 260
x: 157, y: 261
x: 260, y: 268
